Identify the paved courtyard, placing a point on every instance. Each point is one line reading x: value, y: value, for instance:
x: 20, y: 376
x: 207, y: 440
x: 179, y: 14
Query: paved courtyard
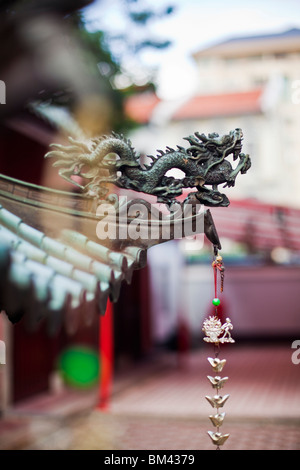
x: 163, y: 407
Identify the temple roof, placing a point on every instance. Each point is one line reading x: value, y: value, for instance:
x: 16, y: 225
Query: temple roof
x: 54, y: 266
x: 53, y: 272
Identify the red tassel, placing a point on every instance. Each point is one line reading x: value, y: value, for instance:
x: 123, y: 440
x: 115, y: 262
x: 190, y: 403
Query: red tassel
x: 216, y: 282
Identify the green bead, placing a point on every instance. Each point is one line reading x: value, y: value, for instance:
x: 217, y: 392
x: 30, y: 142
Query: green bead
x: 216, y: 302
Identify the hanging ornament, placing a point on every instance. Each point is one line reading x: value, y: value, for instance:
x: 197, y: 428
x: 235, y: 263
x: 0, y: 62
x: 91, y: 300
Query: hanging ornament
x: 217, y: 264
x: 217, y: 333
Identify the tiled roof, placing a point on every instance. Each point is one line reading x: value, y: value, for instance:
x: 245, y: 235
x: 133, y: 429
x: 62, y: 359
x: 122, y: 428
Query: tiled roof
x: 140, y: 107
x: 225, y: 104
x: 264, y: 226
x: 290, y: 33
x: 54, y: 279
x: 65, y: 278
x: 54, y: 267
x: 199, y: 107
x: 242, y: 46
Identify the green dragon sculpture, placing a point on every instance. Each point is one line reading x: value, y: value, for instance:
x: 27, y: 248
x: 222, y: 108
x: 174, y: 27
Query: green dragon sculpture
x: 112, y: 159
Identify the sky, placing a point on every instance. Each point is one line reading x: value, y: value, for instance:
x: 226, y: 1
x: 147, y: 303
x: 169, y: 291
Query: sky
x: 193, y: 25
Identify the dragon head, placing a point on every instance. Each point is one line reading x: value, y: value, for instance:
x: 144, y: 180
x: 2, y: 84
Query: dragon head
x: 214, y: 146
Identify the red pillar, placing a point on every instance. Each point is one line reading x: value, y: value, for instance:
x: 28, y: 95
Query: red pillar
x: 106, y: 348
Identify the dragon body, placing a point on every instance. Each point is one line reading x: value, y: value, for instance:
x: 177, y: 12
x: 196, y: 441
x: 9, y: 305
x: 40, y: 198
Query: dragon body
x: 112, y: 159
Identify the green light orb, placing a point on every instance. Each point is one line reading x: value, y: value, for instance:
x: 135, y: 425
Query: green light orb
x: 79, y: 366
x: 216, y: 302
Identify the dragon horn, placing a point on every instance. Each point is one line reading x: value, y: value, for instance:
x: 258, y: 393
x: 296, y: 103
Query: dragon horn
x: 82, y: 145
x: 188, y: 139
x: 201, y: 136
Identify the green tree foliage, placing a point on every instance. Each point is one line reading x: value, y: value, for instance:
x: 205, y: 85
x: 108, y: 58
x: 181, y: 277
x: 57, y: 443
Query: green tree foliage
x: 135, y: 38
x: 107, y: 50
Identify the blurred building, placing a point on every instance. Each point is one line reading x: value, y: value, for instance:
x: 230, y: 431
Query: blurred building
x: 247, y: 82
